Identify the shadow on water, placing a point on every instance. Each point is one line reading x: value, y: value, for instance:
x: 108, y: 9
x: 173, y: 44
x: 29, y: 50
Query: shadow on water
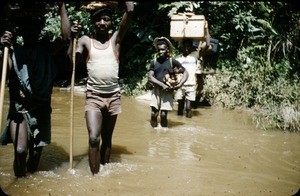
x: 54, y: 156
x: 196, y: 113
x: 117, y: 151
x: 172, y: 123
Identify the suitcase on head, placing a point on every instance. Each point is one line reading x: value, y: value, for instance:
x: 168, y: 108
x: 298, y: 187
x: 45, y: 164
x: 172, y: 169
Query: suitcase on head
x: 187, y: 25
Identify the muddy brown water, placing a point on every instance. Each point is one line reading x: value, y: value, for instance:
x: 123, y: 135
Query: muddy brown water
x: 216, y: 152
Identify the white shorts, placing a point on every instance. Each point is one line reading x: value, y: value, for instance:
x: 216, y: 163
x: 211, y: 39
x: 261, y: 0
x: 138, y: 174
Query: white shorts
x: 189, y: 92
x: 161, y: 100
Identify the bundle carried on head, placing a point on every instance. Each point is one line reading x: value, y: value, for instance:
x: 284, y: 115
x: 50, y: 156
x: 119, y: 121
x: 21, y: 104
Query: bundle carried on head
x: 95, y: 5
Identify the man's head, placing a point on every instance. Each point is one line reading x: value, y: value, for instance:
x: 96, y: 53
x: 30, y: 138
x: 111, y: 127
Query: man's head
x: 102, y: 18
x: 30, y: 27
x: 99, y: 11
x: 163, y: 46
x: 187, y: 46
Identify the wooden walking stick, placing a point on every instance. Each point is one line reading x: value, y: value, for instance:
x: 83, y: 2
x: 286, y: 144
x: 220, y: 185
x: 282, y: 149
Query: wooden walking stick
x: 3, y: 81
x: 72, y: 102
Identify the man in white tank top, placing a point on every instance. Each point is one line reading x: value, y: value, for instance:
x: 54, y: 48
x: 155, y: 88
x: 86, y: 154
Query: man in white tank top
x: 191, y: 61
x: 103, y: 97
x: 187, y: 93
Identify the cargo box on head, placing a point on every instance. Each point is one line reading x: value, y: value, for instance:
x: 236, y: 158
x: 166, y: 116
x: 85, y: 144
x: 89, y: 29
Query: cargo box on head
x: 187, y: 25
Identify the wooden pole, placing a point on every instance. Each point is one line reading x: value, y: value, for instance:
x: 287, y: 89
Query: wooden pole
x: 3, y: 81
x: 72, y: 103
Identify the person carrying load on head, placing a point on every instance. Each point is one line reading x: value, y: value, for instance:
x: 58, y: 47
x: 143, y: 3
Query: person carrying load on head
x: 103, y: 96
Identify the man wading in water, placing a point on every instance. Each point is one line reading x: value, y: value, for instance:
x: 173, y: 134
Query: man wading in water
x: 162, y: 94
x: 103, y: 97
x: 31, y: 75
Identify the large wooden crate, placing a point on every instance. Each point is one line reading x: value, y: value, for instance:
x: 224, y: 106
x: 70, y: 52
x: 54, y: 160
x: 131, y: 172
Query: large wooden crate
x: 187, y: 26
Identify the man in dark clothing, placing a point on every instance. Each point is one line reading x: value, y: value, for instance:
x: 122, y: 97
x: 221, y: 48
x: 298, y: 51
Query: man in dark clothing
x: 162, y: 94
x: 31, y: 75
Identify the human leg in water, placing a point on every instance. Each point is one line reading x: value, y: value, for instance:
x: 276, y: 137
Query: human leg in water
x: 180, y: 107
x: 18, y: 131
x: 106, y: 136
x: 188, y: 113
x: 34, y: 158
x: 164, y: 118
x: 199, y: 88
x: 154, y: 115
x: 94, y: 124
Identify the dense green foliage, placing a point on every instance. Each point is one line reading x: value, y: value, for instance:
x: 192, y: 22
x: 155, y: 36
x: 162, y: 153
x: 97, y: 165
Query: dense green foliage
x: 257, y: 61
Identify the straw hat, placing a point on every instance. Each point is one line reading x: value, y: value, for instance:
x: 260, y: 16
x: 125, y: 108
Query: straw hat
x: 170, y: 46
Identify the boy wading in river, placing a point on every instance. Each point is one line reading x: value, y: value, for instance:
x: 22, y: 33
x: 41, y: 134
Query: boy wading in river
x: 162, y: 94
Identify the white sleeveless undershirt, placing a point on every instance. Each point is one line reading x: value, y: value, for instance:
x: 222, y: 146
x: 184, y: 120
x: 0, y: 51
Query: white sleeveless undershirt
x: 103, y: 69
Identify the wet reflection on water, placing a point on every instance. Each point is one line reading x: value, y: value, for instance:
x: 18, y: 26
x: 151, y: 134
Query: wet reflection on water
x: 217, y: 152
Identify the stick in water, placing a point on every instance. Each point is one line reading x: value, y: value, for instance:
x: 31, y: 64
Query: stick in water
x: 3, y: 81
x: 72, y: 104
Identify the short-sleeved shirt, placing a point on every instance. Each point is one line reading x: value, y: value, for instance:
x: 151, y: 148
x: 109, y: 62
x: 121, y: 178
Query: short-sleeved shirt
x: 161, y: 69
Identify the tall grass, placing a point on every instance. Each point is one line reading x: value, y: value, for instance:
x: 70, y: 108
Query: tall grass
x: 274, y: 99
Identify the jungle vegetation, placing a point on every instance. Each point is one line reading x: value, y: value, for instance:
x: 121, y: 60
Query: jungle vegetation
x: 257, y: 63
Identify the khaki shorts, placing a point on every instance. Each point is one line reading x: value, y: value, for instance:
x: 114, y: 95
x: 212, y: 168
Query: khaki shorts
x: 189, y: 92
x: 110, y: 103
x: 161, y: 100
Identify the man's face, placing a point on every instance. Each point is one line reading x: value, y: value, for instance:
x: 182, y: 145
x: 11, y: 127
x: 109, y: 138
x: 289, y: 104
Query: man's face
x: 187, y: 47
x: 162, y: 51
x: 102, y: 21
x: 30, y: 30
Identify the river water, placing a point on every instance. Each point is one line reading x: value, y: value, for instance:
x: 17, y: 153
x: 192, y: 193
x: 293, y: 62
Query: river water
x: 216, y: 152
